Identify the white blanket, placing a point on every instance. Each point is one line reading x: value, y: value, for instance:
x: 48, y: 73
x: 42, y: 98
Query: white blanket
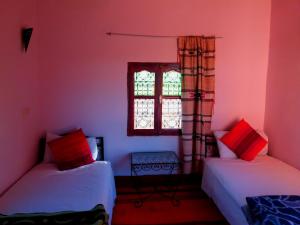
x: 229, y: 181
x: 46, y: 189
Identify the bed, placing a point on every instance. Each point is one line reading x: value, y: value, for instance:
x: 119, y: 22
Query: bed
x: 229, y: 181
x: 48, y: 190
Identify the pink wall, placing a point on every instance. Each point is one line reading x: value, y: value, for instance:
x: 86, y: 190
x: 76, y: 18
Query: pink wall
x: 83, y: 71
x: 282, y: 101
x: 18, y: 92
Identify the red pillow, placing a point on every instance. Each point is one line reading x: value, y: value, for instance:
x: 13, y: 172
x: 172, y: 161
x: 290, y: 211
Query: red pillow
x: 244, y: 141
x: 71, y: 151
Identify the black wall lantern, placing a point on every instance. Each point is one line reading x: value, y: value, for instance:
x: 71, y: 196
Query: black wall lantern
x: 26, y: 35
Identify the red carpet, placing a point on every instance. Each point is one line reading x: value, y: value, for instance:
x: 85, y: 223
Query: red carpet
x: 194, y: 209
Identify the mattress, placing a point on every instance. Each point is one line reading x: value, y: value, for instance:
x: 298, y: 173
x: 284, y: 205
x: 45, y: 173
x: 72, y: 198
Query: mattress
x: 229, y: 181
x: 46, y: 189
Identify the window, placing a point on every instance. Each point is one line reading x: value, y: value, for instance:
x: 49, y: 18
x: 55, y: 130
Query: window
x: 154, y: 99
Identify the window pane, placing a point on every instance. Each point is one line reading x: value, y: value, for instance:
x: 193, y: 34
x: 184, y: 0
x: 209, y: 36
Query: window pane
x: 172, y: 83
x: 144, y: 114
x: 144, y: 82
x: 171, y: 113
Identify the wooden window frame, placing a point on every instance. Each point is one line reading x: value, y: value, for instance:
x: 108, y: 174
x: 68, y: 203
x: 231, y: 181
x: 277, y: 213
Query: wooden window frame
x: 158, y: 68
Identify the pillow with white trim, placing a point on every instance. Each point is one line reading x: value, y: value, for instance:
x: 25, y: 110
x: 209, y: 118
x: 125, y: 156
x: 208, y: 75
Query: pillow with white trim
x: 226, y: 153
x: 50, y: 137
x: 93, y: 146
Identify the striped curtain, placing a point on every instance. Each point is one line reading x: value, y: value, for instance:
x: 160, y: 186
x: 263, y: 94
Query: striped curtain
x: 197, y: 65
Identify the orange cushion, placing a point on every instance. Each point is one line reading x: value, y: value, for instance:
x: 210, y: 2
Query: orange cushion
x: 71, y: 151
x: 244, y: 141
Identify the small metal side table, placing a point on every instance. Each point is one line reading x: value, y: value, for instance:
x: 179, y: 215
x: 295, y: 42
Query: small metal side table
x: 155, y: 161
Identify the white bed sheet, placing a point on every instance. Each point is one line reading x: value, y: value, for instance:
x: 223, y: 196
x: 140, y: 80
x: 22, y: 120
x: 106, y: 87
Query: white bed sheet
x: 229, y: 181
x: 46, y: 189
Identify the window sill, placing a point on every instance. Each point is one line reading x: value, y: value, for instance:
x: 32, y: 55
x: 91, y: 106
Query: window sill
x: 153, y: 133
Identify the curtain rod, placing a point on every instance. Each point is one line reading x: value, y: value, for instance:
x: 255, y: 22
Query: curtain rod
x: 144, y: 35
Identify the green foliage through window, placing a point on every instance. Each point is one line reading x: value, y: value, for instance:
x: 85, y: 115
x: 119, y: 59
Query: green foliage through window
x: 144, y: 83
x: 172, y: 83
